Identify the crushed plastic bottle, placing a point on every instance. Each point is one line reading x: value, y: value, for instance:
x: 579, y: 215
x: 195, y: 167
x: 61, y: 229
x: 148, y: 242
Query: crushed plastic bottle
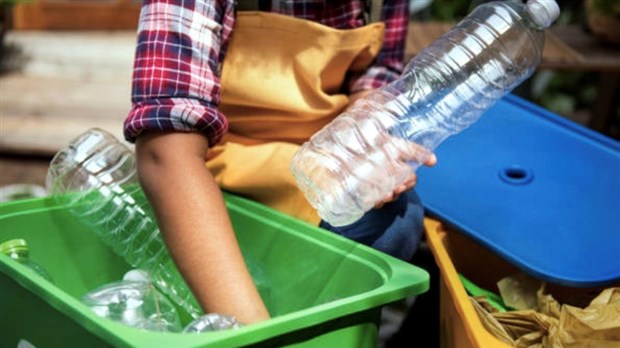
x: 212, y: 322
x: 366, y: 152
x: 134, y: 303
x: 95, y: 177
x: 17, y: 249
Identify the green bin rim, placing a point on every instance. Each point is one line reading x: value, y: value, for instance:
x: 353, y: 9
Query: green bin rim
x: 405, y: 280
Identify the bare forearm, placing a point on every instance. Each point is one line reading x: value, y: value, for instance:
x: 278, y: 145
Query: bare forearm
x: 195, y: 224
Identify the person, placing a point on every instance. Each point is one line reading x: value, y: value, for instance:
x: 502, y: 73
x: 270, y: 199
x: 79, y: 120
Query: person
x: 240, y: 90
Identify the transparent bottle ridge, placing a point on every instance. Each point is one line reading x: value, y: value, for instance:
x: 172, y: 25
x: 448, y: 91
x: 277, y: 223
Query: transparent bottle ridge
x: 364, y: 153
x: 95, y: 178
x: 137, y: 304
x: 212, y: 322
x: 17, y: 249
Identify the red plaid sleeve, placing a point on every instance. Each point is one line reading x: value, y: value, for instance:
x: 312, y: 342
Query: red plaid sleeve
x: 175, y: 83
x: 390, y: 62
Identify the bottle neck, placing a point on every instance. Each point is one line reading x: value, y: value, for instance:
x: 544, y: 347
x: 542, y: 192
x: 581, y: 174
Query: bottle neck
x: 17, y: 254
x: 16, y: 249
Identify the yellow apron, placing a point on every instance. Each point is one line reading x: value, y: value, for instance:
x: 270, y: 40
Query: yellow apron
x: 281, y: 82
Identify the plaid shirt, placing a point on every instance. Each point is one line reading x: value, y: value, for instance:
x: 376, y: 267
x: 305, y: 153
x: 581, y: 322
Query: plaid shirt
x: 181, y: 43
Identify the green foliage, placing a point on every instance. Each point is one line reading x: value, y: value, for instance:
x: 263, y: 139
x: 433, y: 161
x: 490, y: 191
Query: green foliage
x: 449, y: 10
x: 10, y: 2
x: 564, y: 92
x: 610, y: 7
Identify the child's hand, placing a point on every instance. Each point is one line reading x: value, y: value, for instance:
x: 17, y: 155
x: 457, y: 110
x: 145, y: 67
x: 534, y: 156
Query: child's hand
x: 408, y: 184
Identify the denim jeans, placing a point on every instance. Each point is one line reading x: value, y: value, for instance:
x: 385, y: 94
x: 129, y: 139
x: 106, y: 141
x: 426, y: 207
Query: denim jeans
x: 396, y: 228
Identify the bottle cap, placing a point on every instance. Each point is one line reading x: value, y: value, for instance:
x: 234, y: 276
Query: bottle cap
x: 543, y: 12
x: 13, y: 245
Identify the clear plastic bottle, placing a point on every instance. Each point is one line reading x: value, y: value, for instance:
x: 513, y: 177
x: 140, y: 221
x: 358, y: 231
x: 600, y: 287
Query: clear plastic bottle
x: 212, y: 322
x: 17, y: 249
x: 95, y: 177
x: 134, y: 303
x: 364, y: 153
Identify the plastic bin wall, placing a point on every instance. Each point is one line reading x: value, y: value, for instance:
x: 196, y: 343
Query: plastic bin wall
x: 460, y: 325
x: 325, y: 291
x: 456, y: 253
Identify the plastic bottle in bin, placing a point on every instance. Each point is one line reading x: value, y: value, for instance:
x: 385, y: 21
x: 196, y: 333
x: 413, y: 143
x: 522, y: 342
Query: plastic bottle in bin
x: 95, y: 177
x: 17, y: 249
x: 134, y: 303
x: 372, y: 147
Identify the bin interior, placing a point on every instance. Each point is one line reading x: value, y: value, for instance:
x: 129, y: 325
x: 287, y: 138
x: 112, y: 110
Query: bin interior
x: 485, y: 268
x: 456, y: 253
x: 307, y: 276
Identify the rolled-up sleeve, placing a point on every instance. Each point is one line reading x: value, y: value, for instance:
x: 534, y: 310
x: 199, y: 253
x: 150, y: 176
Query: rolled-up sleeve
x: 389, y: 63
x: 176, y: 83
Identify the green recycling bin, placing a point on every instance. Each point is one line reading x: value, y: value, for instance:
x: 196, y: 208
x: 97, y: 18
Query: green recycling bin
x: 324, y: 290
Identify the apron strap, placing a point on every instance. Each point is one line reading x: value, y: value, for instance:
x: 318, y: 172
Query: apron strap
x: 372, y: 8
x: 247, y: 5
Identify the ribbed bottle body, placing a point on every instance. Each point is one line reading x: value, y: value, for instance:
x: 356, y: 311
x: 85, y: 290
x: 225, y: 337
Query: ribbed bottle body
x: 95, y: 177
x: 364, y: 153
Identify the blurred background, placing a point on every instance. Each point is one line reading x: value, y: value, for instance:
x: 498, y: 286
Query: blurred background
x: 579, y: 77
x: 65, y: 66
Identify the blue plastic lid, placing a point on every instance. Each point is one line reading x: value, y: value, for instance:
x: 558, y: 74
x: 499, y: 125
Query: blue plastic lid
x: 540, y: 191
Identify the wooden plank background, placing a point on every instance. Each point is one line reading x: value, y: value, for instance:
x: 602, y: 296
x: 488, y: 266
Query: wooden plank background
x: 77, y: 15
x: 69, y: 82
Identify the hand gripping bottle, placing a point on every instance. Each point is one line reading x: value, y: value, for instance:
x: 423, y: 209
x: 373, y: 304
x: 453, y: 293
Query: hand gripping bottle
x: 95, y: 178
x: 372, y: 147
